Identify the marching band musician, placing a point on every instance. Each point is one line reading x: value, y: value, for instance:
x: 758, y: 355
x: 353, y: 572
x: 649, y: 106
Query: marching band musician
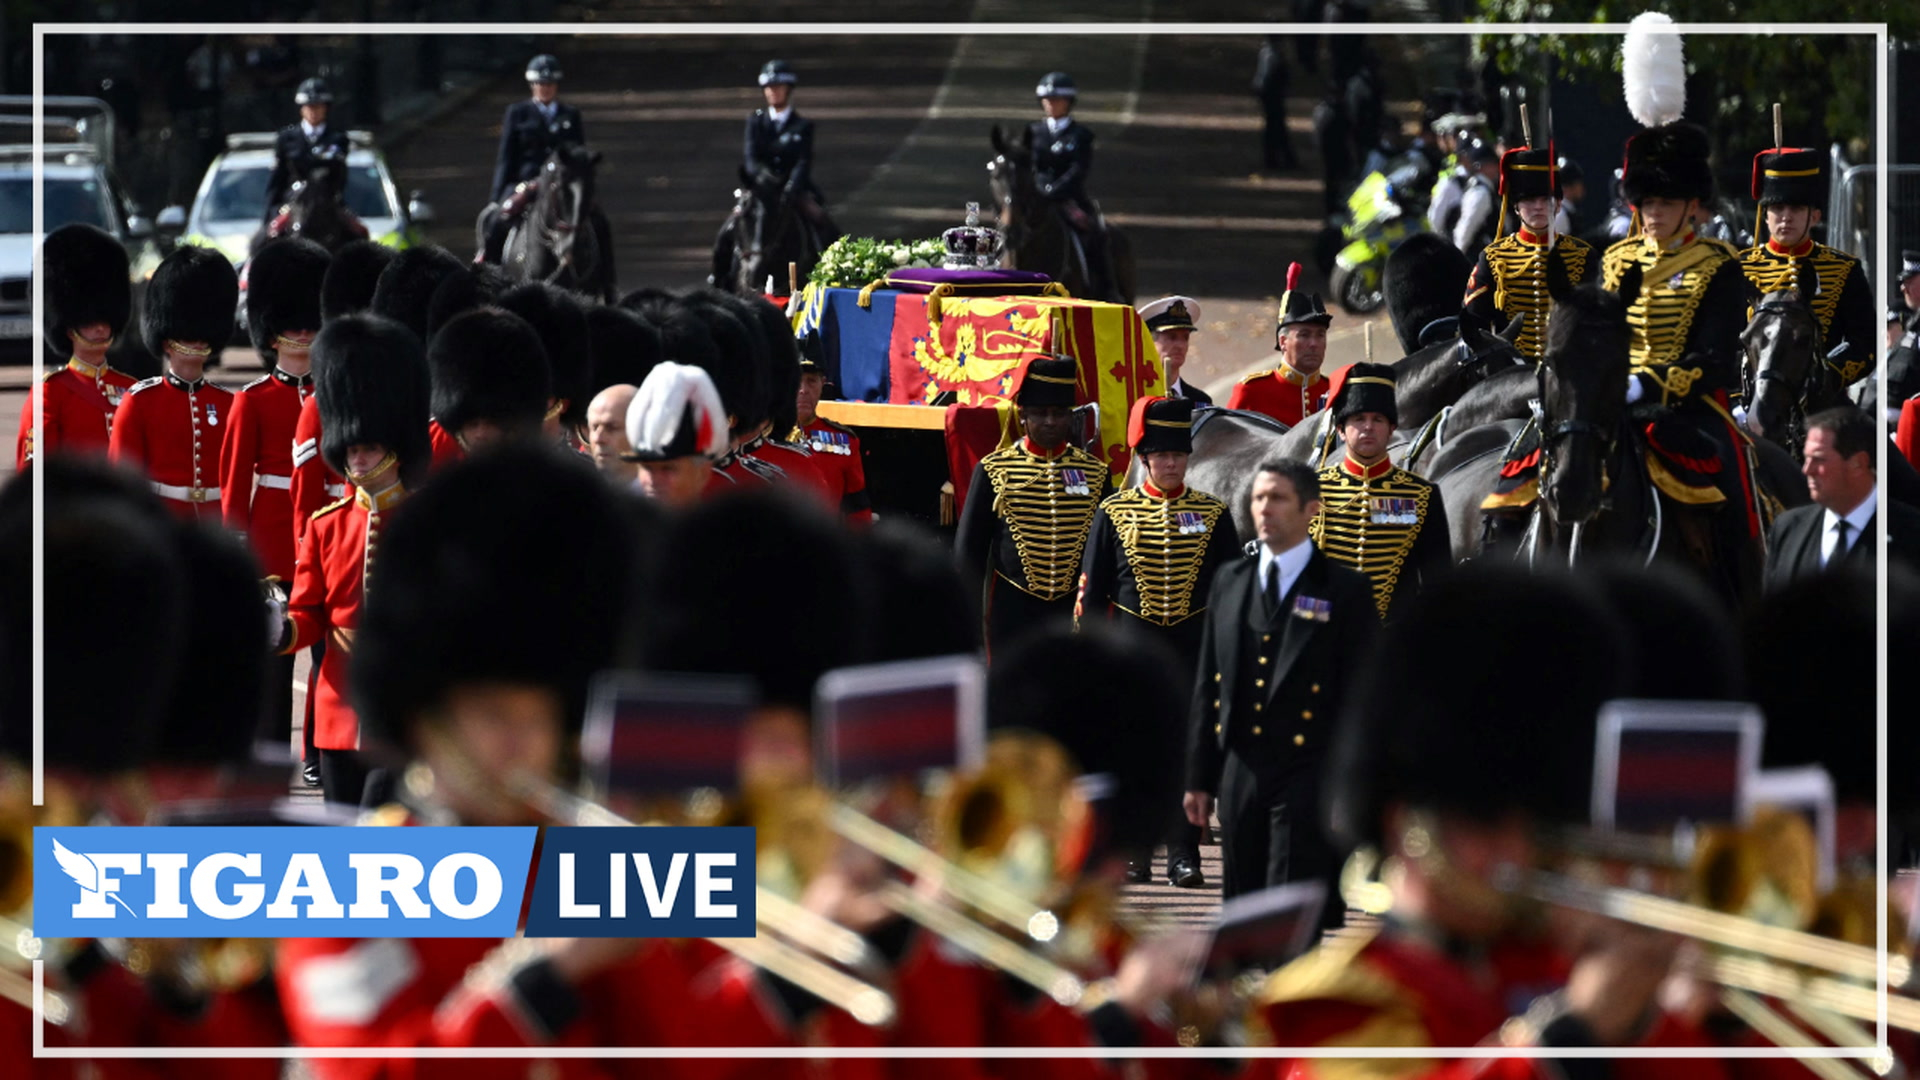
x: 1376, y: 517
x: 1150, y: 563
x: 372, y: 388
x: 1510, y: 277
x: 1792, y: 193
x: 89, y: 299
x: 169, y: 426
x: 1030, y: 508
x: 1296, y: 388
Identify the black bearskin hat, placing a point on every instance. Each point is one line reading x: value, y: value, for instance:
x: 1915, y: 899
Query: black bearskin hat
x: 1049, y: 380
x: 1161, y: 423
x: 742, y: 375
x: 556, y: 315
x: 192, y: 297
x: 100, y: 523
x: 1364, y: 388
x: 624, y: 347
x: 215, y: 711
x: 1659, y: 603
x: 405, y: 290
x: 1668, y: 162
x: 370, y: 379
x: 708, y: 617
x: 922, y: 606
x: 476, y: 286
x: 1425, y: 278
x: 1824, y: 623
x: 462, y: 601
x: 351, y: 278
x: 1420, y: 729
x: 1104, y: 696
x: 283, y: 291
x: 489, y: 365
x: 87, y: 282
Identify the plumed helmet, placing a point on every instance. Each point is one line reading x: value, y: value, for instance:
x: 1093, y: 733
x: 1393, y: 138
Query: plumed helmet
x: 405, y: 290
x: 352, y: 277
x: 370, y: 381
x: 1297, y: 305
x: 283, y: 291
x: 1425, y: 278
x: 1667, y: 162
x: 676, y: 413
x: 778, y: 73
x: 1049, y: 380
x: 489, y: 365
x: 543, y: 68
x: 88, y: 282
x: 192, y: 297
x: 556, y: 315
x: 462, y: 601
x: 313, y: 91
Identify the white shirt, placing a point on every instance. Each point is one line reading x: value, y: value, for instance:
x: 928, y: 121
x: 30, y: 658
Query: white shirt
x: 779, y: 117
x: 1562, y: 221
x: 547, y: 109
x: 310, y: 131
x: 1476, y: 206
x: 1288, y: 564
x: 1856, y: 520
x: 1058, y: 124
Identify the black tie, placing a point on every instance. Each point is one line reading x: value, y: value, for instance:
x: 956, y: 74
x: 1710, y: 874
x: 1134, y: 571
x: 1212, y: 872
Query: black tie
x: 1273, y: 588
x: 1840, y: 542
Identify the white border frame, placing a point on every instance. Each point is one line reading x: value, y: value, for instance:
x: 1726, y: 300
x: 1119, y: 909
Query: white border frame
x: 965, y: 675
x: 1883, y: 133
x: 1707, y: 717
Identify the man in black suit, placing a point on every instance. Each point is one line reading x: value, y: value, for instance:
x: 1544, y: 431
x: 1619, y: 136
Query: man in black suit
x: 1172, y: 321
x: 1285, y: 631
x: 1843, y: 526
x: 529, y: 131
x: 297, y: 148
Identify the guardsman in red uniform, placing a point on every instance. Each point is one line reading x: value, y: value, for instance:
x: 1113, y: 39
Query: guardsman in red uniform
x: 836, y: 449
x: 256, y: 453
x: 1295, y: 389
x: 490, y: 382
x: 1453, y: 962
x: 371, y: 381
x: 1150, y: 564
x: 678, y: 429
x: 1030, y: 508
x: 88, y: 303
x: 170, y: 426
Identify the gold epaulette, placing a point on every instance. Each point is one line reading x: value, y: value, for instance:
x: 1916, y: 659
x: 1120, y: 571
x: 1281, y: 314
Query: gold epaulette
x: 1258, y: 375
x: 330, y: 508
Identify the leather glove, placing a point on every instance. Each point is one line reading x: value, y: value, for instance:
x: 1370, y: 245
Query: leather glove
x: 276, y: 621
x: 1636, y: 389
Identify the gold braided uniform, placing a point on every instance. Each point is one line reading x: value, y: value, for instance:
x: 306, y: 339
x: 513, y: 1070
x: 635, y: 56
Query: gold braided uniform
x: 1153, y: 557
x: 1685, y: 323
x: 1384, y: 522
x: 1510, y: 279
x: 1024, y: 529
x: 1840, y: 303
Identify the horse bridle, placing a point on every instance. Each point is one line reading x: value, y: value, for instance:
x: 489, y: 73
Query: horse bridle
x: 1752, y: 375
x: 1471, y: 361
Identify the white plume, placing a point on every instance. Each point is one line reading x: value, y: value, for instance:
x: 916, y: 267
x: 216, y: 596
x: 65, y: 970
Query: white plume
x: 1653, y: 70
x: 658, y: 409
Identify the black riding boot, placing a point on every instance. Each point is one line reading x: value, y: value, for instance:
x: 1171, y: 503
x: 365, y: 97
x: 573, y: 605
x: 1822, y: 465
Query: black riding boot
x: 497, y: 238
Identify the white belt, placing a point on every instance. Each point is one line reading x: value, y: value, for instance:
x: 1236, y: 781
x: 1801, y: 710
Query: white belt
x: 338, y: 491
x: 184, y: 494
x: 282, y: 483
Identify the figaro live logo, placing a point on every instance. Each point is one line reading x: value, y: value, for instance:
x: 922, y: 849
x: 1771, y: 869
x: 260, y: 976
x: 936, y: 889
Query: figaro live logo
x: 330, y: 881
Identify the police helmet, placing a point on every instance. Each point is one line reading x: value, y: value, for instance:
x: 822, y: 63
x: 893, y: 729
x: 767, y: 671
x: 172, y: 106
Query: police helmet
x: 778, y: 73
x: 1056, y: 84
x: 313, y: 92
x: 543, y: 68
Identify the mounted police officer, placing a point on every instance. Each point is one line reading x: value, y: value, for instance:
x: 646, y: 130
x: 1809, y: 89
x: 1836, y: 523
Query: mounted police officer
x: 529, y: 131
x: 777, y: 167
x: 1062, y: 157
x: 299, y: 148
x: 1511, y: 277
x: 1792, y: 192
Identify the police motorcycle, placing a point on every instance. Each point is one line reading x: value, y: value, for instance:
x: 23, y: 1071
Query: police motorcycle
x: 1388, y: 205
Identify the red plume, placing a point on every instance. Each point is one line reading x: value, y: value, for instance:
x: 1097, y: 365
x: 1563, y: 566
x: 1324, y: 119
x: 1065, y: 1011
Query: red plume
x: 1293, y: 276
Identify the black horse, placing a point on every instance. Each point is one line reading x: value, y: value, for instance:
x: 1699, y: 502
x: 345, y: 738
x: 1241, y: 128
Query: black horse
x: 1038, y: 234
x: 768, y: 237
x: 316, y: 209
x: 563, y: 237
x: 1784, y: 377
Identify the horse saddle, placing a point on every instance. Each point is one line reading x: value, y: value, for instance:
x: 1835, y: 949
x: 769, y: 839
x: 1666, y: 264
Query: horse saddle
x: 1682, y: 460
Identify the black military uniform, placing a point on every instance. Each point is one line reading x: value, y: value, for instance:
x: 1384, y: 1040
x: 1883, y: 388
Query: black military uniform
x: 297, y: 151
x: 1150, y: 563
x: 1024, y: 528
x: 529, y: 131
x: 1176, y: 313
x: 1840, y: 300
x: 1062, y: 158
x: 1511, y: 277
x: 1274, y: 672
x: 1380, y: 519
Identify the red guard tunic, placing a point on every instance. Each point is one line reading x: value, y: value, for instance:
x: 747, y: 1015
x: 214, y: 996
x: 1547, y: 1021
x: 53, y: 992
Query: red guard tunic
x: 329, y: 589
x: 314, y: 484
x: 80, y: 401
x: 1282, y: 393
x: 171, y: 429
x: 256, y: 466
x: 446, y: 448
x: 836, y: 452
x: 798, y: 466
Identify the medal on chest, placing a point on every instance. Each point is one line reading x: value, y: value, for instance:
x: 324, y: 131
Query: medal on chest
x: 1311, y: 609
x: 1386, y: 511
x: 1075, y: 481
x: 1188, y: 522
x: 213, y: 414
